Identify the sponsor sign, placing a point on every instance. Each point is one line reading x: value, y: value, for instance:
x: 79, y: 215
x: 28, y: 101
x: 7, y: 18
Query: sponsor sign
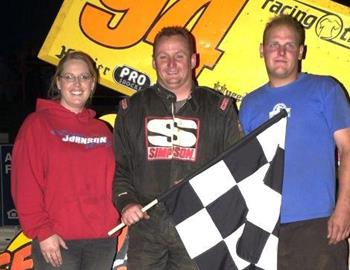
x: 119, y: 36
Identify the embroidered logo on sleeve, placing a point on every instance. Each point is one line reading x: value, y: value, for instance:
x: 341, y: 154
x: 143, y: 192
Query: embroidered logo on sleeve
x: 224, y: 103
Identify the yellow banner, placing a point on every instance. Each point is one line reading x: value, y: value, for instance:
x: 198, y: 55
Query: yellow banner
x: 119, y: 35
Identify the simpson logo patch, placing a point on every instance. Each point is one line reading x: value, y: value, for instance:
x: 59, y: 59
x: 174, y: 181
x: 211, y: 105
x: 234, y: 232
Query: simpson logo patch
x: 172, y: 138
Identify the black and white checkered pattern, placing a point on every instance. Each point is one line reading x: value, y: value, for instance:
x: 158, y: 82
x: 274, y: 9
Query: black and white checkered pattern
x: 227, y: 215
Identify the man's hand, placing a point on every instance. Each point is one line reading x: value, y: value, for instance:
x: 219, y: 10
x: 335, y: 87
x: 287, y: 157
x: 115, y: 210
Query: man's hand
x: 339, y: 222
x: 50, y: 248
x: 132, y: 213
x: 338, y: 227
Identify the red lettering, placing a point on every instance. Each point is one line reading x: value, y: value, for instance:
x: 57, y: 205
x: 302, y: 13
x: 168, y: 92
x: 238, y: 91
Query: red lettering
x: 163, y: 152
x: 159, y: 152
x: 169, y: 153
x: 151, y: 152
x: 184, y: 153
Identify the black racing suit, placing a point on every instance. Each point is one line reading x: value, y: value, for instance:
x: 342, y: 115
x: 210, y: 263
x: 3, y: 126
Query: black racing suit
x: 155, y: 147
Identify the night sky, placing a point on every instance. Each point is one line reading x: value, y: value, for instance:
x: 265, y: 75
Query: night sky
x: 26, y: 23
x: 24, y: 26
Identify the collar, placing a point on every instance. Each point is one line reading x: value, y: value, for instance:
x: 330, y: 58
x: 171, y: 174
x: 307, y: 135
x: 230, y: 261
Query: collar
x: 169, y: 97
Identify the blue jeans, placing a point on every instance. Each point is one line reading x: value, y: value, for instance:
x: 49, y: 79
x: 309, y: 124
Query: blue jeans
x: 89, y: 254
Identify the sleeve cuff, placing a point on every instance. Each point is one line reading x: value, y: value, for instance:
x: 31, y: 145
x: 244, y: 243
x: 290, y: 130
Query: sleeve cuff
x: 124, y: 201
x: 44, y: 233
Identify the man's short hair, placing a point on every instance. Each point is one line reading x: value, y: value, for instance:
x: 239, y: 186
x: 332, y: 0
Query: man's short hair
x: 174, y: 31
x: 289, y: 21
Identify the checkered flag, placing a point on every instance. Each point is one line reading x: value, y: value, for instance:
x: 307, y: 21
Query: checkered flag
x: 227, y: 214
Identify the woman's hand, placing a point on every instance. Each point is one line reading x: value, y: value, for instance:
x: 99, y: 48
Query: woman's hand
x: 50, y: 248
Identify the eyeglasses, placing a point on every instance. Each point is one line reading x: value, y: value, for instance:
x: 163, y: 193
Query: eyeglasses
x: 68, y: 77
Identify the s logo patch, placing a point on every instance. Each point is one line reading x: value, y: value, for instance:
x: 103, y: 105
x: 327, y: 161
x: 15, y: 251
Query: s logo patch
x: 172, y: 138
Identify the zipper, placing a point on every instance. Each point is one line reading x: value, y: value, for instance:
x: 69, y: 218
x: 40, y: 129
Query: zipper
x: 172, y: 128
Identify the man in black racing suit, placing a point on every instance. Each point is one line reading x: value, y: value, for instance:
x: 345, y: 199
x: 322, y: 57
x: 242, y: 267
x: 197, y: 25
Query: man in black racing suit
x: 163, y: 134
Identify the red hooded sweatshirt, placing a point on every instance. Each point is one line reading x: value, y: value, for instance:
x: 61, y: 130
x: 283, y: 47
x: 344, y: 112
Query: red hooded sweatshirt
x: 62, y: 172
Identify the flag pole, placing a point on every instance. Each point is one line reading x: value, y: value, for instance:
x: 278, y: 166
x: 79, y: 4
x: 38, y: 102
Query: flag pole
x: 283, y: 113
x: 144, y: 209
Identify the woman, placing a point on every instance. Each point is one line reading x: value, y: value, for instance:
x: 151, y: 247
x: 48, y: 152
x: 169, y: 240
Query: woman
x: 62, y: 172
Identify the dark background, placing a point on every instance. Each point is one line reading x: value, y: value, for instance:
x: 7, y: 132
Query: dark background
x: 24, y: 77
